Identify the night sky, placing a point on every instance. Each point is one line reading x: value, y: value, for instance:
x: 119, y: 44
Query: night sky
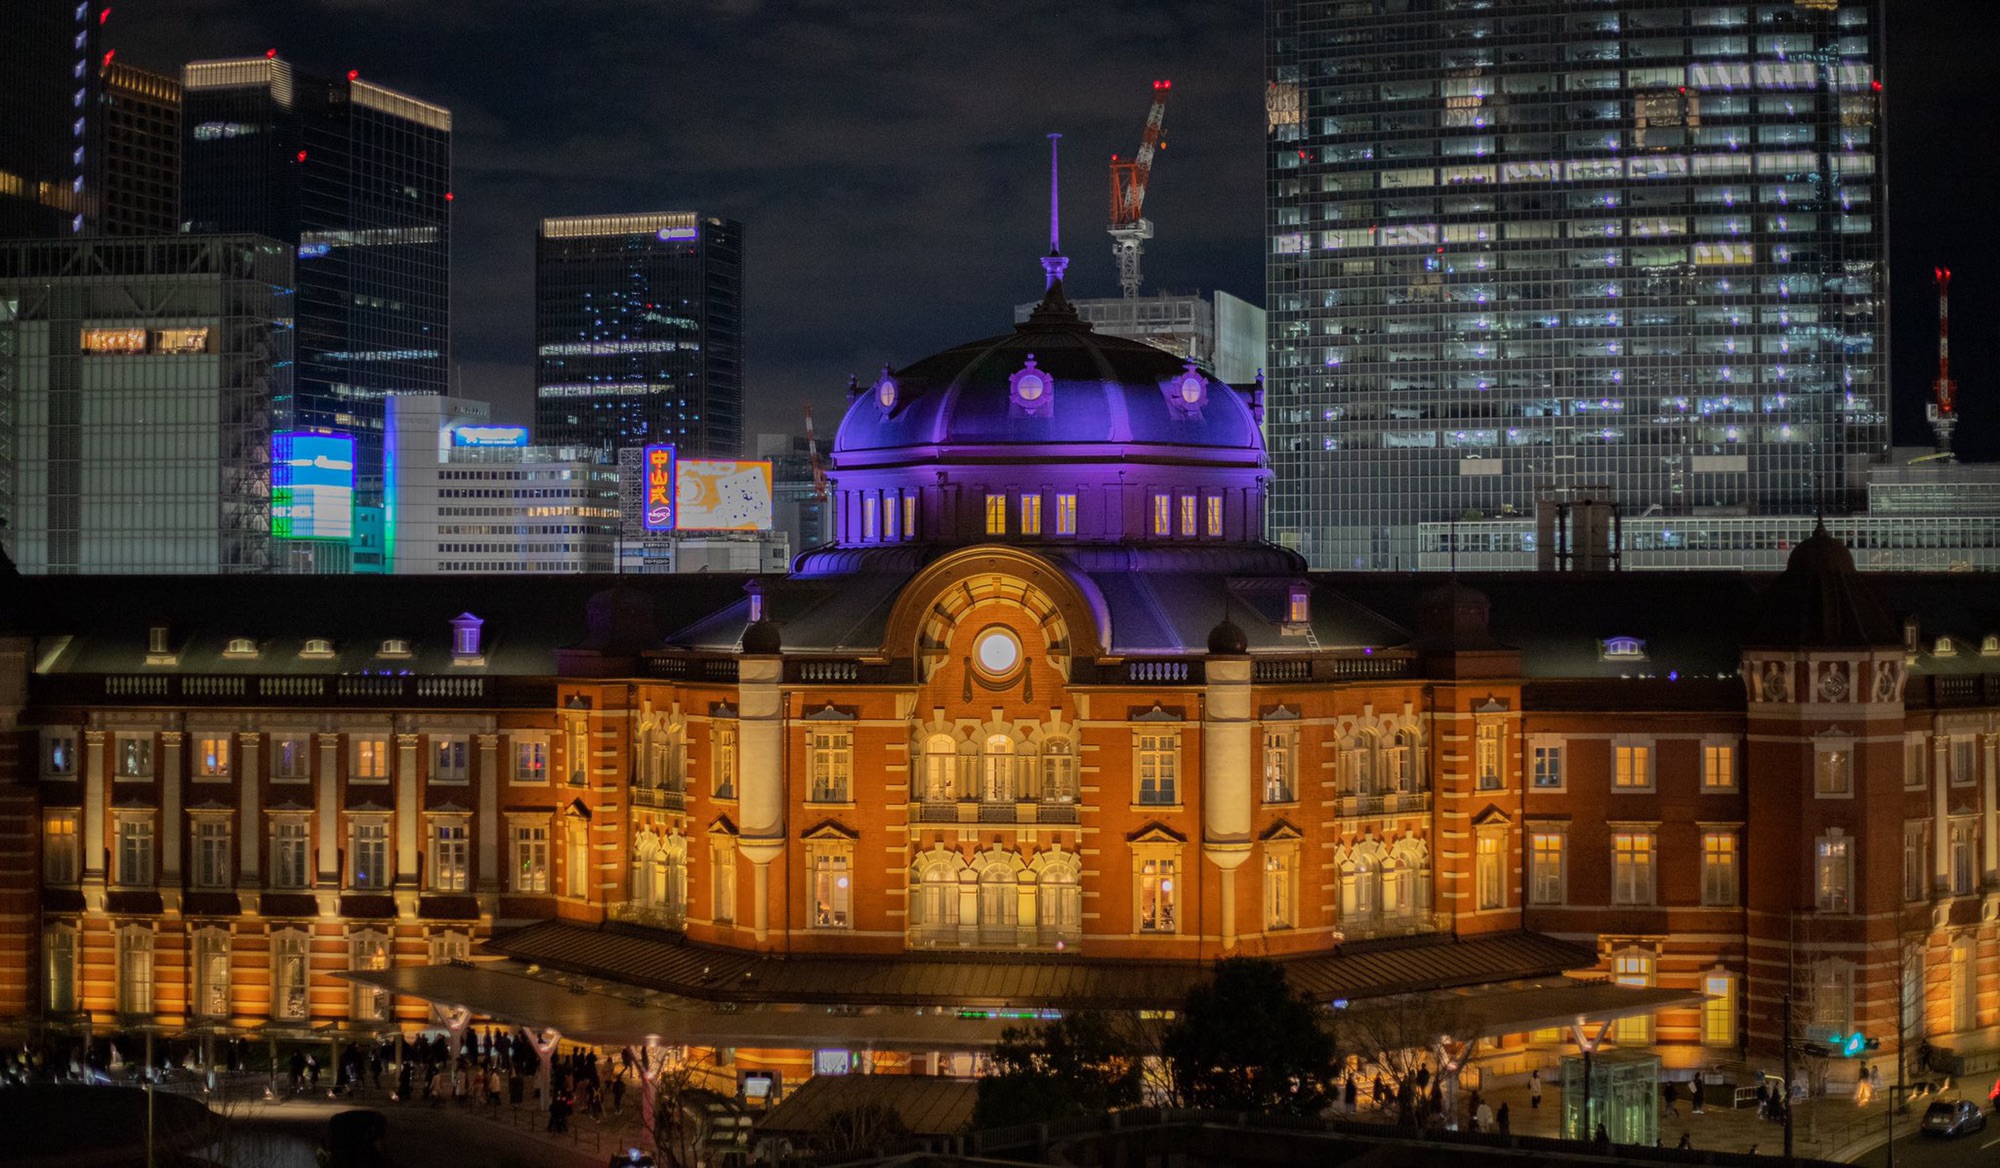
x: 889, y: 164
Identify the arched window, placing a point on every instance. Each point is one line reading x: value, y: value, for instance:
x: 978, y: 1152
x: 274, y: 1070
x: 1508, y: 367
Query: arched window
x: 940, y: 760
x: 1058, y: 771
x: 936, y: 909
x: 1059, y: 905
x: 211, y: 973
x: 659, y: 878
x: 1406, y: 878
x: 135, y: 970
x: 999, y: 904
x: 649, y: 871
x: 674, y: 861
x: 997, y: 770
x: 647, y: 764
x: 368, y: 949
x: 288, y: 975
x: 1360, y: 886
x: 1357, y: 764
x: 1398, y: 771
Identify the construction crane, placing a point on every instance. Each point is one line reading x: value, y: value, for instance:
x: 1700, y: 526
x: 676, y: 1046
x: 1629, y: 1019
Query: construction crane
x: 812, y: 455
x: 1943, y: 408
x: 1129, y: 228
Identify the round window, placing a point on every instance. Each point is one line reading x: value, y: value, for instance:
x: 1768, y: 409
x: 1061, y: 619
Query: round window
x: 997, y: 652
x: 1030, y: 388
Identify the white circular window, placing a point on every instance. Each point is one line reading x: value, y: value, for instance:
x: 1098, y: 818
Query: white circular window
x: 997, y: 652
x: 1030, y: 388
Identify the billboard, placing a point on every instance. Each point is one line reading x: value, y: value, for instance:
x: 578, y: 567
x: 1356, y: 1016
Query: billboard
x: 312, y: 485
x: 656, y: 478
x: 489, y: 436
x: 713, y: 495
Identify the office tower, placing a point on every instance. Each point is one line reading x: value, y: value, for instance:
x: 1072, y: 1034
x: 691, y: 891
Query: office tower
x: 639, y: 332
x: 48, y: 87
x: 137, y: 159
x: 1528, y: 255
x: 1220, y: 331
x: 358, y: 178
x: 141, y: 376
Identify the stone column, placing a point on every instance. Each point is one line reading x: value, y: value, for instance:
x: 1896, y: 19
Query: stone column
x: 327, y: 805
x: 409, y: 811
x: 1940, y: 804
x: 170, y: 774
x: 250, y: 836
x: 1990, y: 832
x: 487, y: 826
x: 95, y: 745
x: 761, y: 761
x: 1228, y: 758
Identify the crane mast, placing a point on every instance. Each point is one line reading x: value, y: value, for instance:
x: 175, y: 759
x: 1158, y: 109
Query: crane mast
x: 1944, y: 405
x: 1129, y: 227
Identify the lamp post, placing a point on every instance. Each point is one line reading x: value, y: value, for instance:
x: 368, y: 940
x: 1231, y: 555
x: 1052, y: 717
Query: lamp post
x: 1786, y: 1088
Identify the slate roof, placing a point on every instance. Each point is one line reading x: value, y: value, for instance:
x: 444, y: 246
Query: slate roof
x: 671, y: 963
x: 928, y: 1106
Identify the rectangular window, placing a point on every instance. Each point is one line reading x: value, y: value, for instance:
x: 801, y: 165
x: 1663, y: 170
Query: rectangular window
x: 1833, y: 770
x: 135, y: 851
x: 59, y: 848
x: 451, y: 858
x: 288, y: 976
x: 723, y: 887
x: 1964, y: 846
x: 832, y: 892
x: 1278, y: 767
x: 1834, y: 874
x: 830, y: 765
x: 1633, y: 967
x: 891, y: 509
x: 996, y: 514
x: 135, y: 971
x: 1159, y: 756
x: 1718, y: 1010
x: 1065, y: 514
x: 910, y: 516
x: 449, y: 760
x: 1916, y: 762
x: 1489, y: 873
x: 1916, y: 860
x: 576, y: 857
x: 1719, y: 882
x: 531, y: 760
x: 1213, y: 504
x: 531, y: 859
x: 725, y: 760
x: 135, y: 756
x: 371, y: 856
x: 1545, y: 867
x: 1487, y: 757
x: 1031, y: 514
x: 1163, y: 515
x: 1547, y: 760
x: 1157, y: 892
x: 59, y: 951
x: 1963, y: 759
x: 371, y: 760
x: 1632, y: 867
x: 1187, y: 516
x: 211, y: 973
x: 291, y: 760
x: 59, y: 755
x: 211, y: 757
x: 1718, y: 766
x: 291, y: 854
x: 211, y: 852
x: 1631, y: 766
x: 869, y: 509
x: 368, y: 951
x: 1279, y: 898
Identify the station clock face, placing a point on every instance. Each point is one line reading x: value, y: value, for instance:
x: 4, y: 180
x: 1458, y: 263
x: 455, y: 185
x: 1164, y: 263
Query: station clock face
x: 1191, y: 387
x: 1833, y: 685
x: 885, y: 392
x: 1030, y: 388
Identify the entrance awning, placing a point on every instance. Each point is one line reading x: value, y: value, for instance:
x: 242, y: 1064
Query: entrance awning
x: 1496, y: 1011
x: 508, y: 992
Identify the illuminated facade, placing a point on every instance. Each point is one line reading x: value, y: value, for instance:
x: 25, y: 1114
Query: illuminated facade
x: 1047, y: 724
x: 138, y: 159
x: 639, y: 332
x: 1529, y: 251
x: 142, y: 377
x: 357, y: 177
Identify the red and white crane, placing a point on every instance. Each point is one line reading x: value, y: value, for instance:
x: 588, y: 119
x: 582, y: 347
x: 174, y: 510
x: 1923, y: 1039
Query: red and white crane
x: 812, y: 454
x: 1943, y: 408
x: 1129, y: 227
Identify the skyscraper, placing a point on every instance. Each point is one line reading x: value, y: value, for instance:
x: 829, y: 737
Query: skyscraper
x: 138, y: 141
x: 48, y: 85
x: 1523, y: 253
x: 639, y: 332
x: 357, y: 177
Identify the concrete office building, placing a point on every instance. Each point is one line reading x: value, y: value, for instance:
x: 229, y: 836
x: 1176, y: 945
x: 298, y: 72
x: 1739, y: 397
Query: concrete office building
x: 1221, y: 332
x: 49, y: 58
x: 1529, y: 253
x: 139, y: 149
x: 142, y: 376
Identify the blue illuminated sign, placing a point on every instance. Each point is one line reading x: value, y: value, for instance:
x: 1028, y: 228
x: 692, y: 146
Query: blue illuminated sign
x: 312, y: 485
x: 671, y: 233
x: 489, y: 436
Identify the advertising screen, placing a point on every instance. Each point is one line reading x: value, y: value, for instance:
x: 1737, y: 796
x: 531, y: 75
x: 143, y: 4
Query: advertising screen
x: 723, y: 496
x: 489, y: 436
x: 656, y: 477
x: 312, y: 485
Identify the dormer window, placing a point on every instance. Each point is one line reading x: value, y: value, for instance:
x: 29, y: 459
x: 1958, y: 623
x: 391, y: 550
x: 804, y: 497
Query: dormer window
x: 465, y: 640
x: 395, y: 647
x: 1943, y: 647
x: 1990, y: 647
x: 1187, y: 392
x: 318, y: 648
x: 1031, y: 391
x: 156, y: 639
x: 239, y: 647
x: 886, y: 391
x: 1298, y: 607
x: 1622, y: 649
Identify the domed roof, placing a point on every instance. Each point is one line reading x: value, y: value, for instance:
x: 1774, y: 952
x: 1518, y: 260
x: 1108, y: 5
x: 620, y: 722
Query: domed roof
x: 1821, y: 601
x: 1106, y: 390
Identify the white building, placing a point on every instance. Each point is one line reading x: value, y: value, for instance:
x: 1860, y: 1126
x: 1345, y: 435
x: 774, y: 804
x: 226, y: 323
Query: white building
x: 1224, y: 333
x: 466, y: 495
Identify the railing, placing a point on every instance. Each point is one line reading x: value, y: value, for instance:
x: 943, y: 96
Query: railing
x: 1283, y: 670
x: 1390, y: 803
x: 1021, y: 811
x: 664, y: 798
x: 829, y: 670
x: 972, y: 935
x: 1364, y: 928
x: 655, y: 916
x: 351, y: 689
x: 1157, y: 672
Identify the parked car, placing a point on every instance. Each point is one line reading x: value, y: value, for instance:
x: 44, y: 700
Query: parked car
x: 1951, y: 1118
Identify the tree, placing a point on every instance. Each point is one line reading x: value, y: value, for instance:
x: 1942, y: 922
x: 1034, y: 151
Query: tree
x: 1403, y: 1034
x: 867, y: 1127
x: 1247, y: 1041
x: 1080, y: 1064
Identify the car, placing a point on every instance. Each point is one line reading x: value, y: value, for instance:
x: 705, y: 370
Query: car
x: 1950, y: 1118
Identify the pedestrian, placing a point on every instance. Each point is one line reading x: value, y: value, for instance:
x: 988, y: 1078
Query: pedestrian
x: 1763, y: 1100
x: 1482, y: 1117
x: 312, y: 1072
x: 1535, y: 1090
x: 1504, y: 1120
x: 1602, y: 1139
x: 1694, y: 1093
x: 1381, y: 1092
x: 1673, y: 1097
x: 1349, y: 1094
x: 1423, y: 1076
x: 1686, y: 1144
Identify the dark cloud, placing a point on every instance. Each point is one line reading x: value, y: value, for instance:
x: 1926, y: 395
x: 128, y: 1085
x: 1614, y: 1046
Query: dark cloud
x: 889, y: 163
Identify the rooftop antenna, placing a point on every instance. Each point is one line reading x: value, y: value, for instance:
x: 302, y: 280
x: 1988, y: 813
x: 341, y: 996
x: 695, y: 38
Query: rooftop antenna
x: 1054, y: 263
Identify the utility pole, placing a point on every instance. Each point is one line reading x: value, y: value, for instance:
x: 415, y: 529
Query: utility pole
x: 1787, y: 1088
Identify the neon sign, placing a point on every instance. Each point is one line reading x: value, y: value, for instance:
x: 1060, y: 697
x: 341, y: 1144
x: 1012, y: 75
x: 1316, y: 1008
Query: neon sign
x: 489, y: 436
x: 657, y: 477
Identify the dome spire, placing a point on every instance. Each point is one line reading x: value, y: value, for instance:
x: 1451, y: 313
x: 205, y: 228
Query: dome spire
x: 1055, y: 263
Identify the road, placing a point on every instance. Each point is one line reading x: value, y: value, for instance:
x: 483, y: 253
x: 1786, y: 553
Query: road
x: 1915, y: 1151
x: 284, y: 1134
